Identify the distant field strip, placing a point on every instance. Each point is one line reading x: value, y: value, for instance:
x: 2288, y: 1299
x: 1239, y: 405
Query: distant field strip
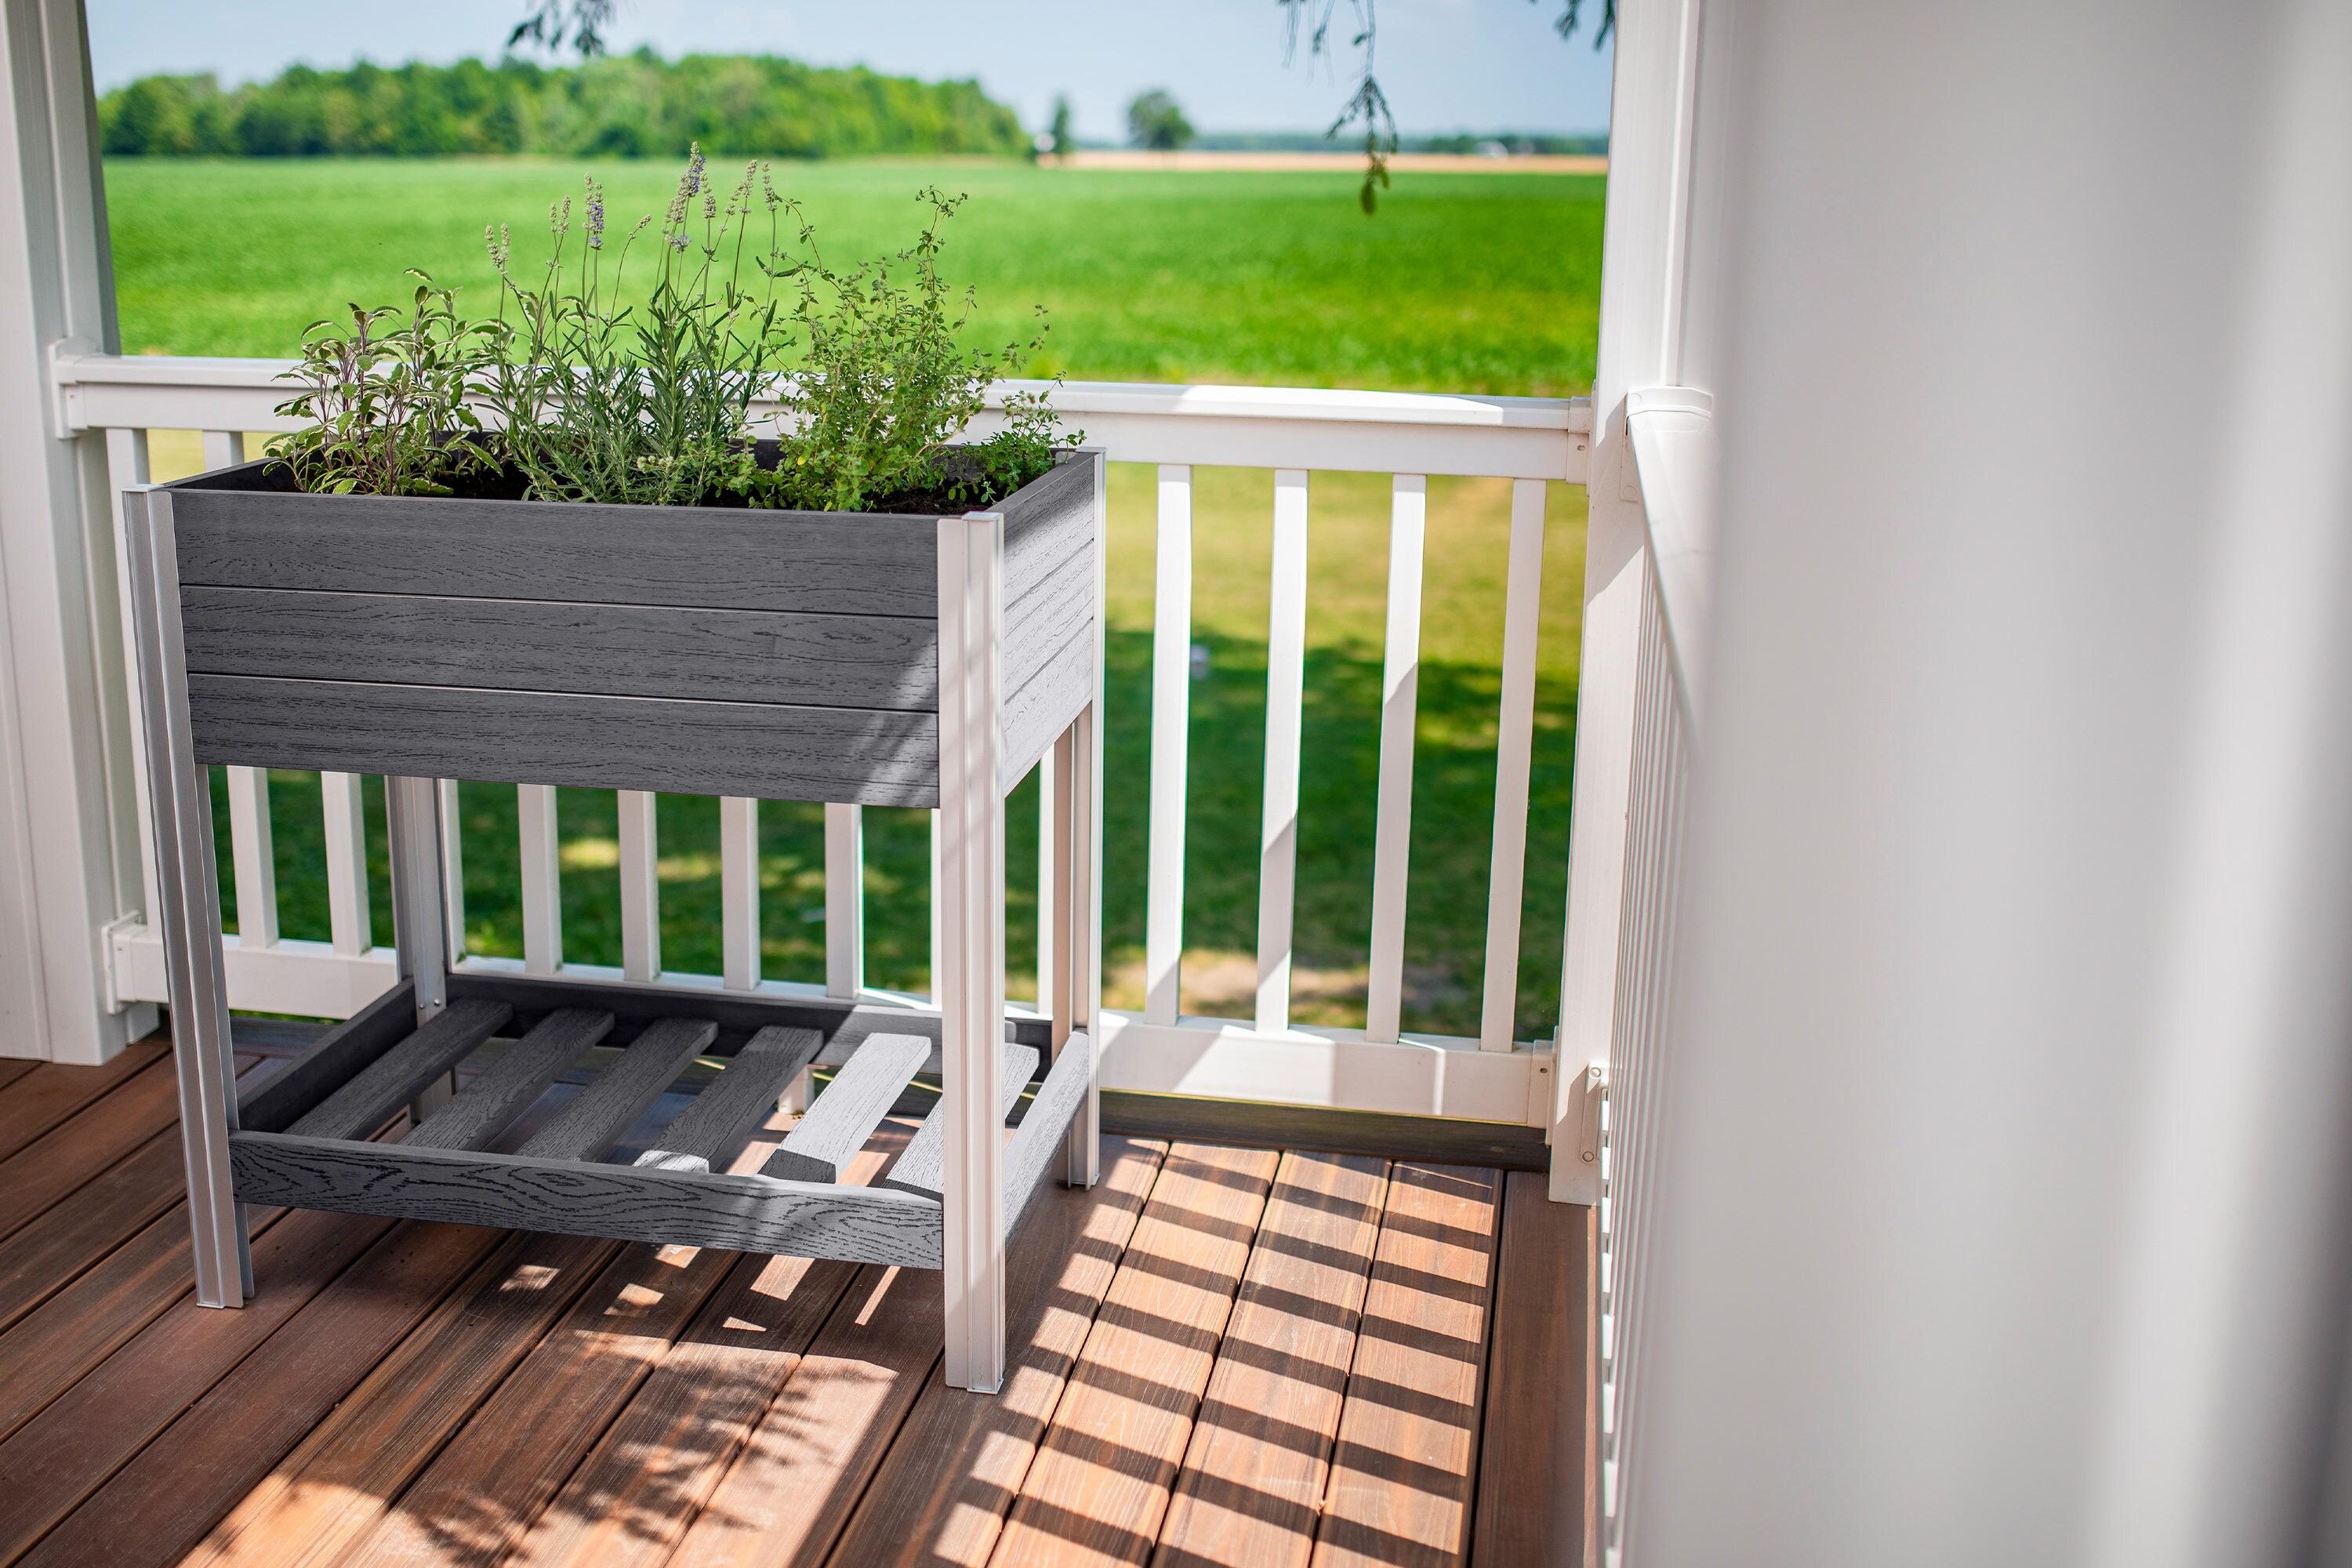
x: 1322, y: 162
x: 1475, y: 282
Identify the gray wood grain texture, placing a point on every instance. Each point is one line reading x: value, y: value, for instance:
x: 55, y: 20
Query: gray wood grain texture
x: 505, y: 1089
x: 1038, y: 624
x: 838, y: 1121
x: 707, y: 1133
x: 754, y: 1214
x: 331, y: 1061
x: 626, y: 651
x: 1035, y: 716
x: 923, y: 1164
x: 393, y: 1079
x: 853, y: 756
x: 1038, y: 1142
x: 594, y: 1118
x: 739, y: 1015
x: 853, y: 563
x: 1046, y: 522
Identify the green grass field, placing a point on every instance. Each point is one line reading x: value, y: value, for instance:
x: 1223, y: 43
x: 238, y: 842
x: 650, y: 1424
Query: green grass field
x: 1482, y: 283
x: 1462, y: 283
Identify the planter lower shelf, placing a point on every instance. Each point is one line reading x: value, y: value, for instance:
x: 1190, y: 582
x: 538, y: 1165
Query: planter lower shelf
x: 305, y: 1144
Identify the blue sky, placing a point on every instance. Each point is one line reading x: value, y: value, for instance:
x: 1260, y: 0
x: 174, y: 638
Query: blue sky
x: 1448, y: 65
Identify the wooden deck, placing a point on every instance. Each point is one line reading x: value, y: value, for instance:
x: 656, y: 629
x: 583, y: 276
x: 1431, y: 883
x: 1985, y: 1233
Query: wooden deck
x: 1220, y: 1356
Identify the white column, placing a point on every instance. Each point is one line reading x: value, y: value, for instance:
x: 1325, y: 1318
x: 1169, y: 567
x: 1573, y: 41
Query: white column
x: 69, y: 844
x: 2003, y: 1214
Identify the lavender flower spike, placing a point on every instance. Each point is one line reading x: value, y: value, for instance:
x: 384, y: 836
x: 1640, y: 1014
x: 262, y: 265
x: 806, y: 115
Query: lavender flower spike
x: 595, y: 217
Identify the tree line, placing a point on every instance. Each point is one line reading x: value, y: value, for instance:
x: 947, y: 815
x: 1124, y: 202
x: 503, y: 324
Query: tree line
x: 628, y: 106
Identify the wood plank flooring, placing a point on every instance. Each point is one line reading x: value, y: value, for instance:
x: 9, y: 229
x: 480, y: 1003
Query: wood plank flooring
x: 1218, y: 1356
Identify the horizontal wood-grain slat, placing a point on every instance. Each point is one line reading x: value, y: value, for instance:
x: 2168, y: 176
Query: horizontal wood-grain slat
x: 332, y: 1060
x: 837, y: 1125
x: 625, y: 650
x: 505, y: 1089
x: 852, y: 755
x: 709, y: 1133
x: 752, y: 1213
x: 396, y: 1078
x: 578, y: 551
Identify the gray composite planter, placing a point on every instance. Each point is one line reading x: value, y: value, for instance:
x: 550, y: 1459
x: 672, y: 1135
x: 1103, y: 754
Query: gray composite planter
x: 797, y: 652
x: 698, y: 650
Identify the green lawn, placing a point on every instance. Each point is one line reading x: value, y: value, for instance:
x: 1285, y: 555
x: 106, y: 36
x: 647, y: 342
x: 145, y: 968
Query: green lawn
x: 1462, y: 282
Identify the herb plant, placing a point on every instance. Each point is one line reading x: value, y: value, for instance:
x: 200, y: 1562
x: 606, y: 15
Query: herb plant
x: 593, y: 399
x: 384, y: 398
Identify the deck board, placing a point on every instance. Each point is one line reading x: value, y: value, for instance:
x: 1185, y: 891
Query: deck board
x: 1402, y: 1475
x: 1100, y: 1482
x: 941, y: 1496
x: 82, y: 1147
x: 50, y: 1251
x: 1255, y: 1475
x: 1216, y: 1356
x: 1538, y: 1373
x: 32, y: 1104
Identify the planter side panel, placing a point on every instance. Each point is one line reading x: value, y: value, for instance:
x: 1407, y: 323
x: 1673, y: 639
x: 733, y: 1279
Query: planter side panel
x: 859, y: 755
x: 710, y: 558
x: 1051, y: 537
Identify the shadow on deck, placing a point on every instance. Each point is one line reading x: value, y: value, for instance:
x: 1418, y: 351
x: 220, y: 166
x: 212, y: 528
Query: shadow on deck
x: 1219, y: 1356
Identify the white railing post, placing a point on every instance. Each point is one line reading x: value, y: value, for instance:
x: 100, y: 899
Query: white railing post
x: 1286, y: 687
x: 1172, y: 710
x: 1400, y: 706
x: 543, y: 878
x: 343, y: 808
x: 844, y: 900
x: 641, y: 956
x: 739, y: 892
x: 1514, y: 750
x: 253, y: 857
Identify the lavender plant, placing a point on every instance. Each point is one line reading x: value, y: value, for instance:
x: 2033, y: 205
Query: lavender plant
x: 606, y: 401
x: 384, y: 398
x: 593, y: 399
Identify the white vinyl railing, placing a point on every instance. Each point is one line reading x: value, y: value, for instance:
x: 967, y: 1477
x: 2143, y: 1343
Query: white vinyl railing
x: 1268, y: 1057
x: 1672, y: 436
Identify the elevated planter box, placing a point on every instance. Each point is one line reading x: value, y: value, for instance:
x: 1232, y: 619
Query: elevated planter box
x: 873, y: 658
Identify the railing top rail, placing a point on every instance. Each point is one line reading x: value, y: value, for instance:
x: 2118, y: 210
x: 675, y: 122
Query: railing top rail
x: 1257, y: 427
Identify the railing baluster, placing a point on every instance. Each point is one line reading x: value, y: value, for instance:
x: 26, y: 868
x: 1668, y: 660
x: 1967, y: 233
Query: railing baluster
x: 1171, y: 702
x: 1048, y: 898
x: 1285, y: 684
x: 344, y: 810
x: 844, y: 900
x: 126, y: 465
x: 640, y: 886
x: 739, y: 892
x: 1400, y: 699
x: 453, y: 869
x: 1514, y: 747
x: 543, y: 879
x: 253, y: 857
x: 934, y: 971
x: 224, y: 449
